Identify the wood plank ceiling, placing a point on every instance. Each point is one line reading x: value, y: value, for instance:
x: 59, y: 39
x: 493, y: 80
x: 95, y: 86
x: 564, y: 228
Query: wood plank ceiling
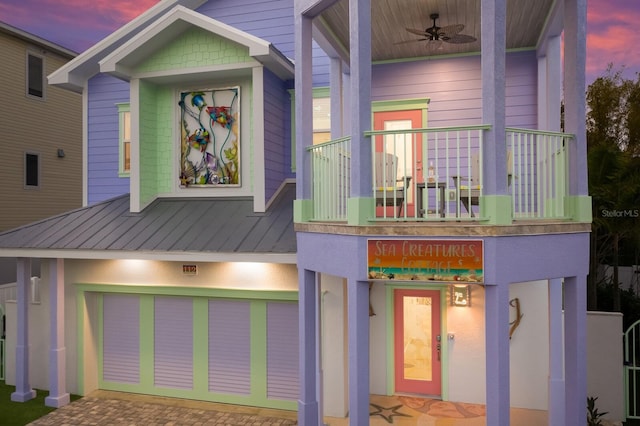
x: 525, y: 21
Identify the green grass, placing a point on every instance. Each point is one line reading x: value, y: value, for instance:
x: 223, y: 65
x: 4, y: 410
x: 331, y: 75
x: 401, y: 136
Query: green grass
x: 22, y: 413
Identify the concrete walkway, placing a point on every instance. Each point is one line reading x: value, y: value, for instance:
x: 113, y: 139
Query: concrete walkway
x: 104, y: 408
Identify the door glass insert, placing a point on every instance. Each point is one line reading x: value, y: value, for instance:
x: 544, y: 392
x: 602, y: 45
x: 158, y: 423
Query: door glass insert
x: 417, y: 338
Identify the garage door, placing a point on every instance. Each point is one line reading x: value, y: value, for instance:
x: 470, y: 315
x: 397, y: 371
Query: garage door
x: 242, y: 351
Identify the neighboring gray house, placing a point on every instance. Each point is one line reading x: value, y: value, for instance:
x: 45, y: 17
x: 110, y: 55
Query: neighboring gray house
x: 40, y: 135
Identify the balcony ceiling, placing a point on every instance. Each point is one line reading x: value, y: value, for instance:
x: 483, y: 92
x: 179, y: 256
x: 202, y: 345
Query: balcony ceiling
x: 525, y: 22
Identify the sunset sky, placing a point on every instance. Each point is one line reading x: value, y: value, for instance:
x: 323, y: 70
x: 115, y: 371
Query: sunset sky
x: 613, y: 34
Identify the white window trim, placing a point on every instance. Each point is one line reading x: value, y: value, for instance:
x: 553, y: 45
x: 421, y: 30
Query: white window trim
x: 123, y: 108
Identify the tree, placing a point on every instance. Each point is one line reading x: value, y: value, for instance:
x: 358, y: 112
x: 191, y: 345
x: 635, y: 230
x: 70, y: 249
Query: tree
x: 613, y: 150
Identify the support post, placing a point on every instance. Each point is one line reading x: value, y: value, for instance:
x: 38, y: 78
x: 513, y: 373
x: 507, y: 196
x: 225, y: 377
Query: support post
x: 307, y: 307
x: 575, y: 362
x: 23, y: 386
x: 58, y: 396
x: 495, y: 204
x: 555, y: 397
x: 358, y: 319
x: 497, y: 353
x: 360, y: 205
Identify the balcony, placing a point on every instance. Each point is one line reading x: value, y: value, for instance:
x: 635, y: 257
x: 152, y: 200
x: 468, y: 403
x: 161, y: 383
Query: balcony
x: 436, y: 175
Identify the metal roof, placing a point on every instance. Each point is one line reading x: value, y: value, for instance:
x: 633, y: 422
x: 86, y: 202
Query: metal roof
x: 206, y: 229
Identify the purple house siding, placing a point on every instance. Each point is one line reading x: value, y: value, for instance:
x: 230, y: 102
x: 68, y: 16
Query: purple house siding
x: 103, y: 155
x: 271, y: 20
x: 454, y: 88
x: 277, y: 141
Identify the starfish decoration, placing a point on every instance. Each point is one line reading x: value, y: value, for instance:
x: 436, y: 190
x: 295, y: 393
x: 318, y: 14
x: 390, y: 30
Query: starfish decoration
x: 387, y: 413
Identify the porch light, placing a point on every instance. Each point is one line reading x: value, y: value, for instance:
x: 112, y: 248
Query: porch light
x: 461, y: 295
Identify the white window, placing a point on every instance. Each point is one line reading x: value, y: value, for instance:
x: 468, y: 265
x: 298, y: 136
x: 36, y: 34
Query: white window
x: 124, y: 114
x: 321, y: 119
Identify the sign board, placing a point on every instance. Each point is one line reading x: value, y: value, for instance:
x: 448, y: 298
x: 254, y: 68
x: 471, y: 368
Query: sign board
x: 426, y: 260
x: 190, y: 269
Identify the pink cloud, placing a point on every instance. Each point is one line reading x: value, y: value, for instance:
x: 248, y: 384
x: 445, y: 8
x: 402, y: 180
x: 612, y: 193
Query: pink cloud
x: 612, y: 35
x: 76, y: 24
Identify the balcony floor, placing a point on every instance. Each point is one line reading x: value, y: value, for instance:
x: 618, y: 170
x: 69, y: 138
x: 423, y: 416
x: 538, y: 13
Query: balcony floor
x: 446, y: 228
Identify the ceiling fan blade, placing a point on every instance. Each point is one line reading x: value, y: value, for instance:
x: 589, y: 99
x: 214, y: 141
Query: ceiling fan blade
x: 411, y: 41
x: 460, y: 39
x: 450, y: 30
x: 417, y: 32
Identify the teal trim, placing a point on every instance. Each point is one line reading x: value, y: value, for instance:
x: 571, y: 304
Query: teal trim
x: 80, y: 343
x: 147, y: 342
x: 258, y: 302
x: 496, y: 209
x: 100, y: 342
x: 200, y: 345
x: 359, y: 210
x: 321, y: 92
x: 218, y: 293
x: 449, y: 56
x: 401, y: 105
x: 444, y: 341
x: 302, y: 210
x: 391, y: 375
x: 579, y: 208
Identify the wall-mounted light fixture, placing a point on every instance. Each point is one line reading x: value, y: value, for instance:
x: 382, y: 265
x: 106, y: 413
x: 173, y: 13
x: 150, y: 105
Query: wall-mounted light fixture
x: 461, y: 295
x: 60, y: 153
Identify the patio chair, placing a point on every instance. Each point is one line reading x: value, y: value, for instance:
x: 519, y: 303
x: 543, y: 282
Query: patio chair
x: 469, y: 194
x: 389, y: 189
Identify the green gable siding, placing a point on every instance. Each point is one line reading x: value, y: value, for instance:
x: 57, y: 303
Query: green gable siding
x: 148, y: 132
x: 195, y: 48
x: 156, y: 144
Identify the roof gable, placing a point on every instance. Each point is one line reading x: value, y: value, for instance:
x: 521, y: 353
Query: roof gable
x: 194, y: 48
x: 175, y: 23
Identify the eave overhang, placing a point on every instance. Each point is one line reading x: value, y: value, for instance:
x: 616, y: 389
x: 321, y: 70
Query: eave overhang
x: 122, y: 62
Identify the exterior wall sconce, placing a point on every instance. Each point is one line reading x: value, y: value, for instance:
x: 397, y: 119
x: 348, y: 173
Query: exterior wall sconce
x: 60, y: 153
x: 461, y: 295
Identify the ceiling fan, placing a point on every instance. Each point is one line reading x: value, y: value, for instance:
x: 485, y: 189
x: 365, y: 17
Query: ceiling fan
x: 435, y: 35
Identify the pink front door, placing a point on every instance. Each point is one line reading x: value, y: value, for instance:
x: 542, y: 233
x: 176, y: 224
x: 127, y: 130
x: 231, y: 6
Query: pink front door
x: 417, y: 342
x: 406, y: 147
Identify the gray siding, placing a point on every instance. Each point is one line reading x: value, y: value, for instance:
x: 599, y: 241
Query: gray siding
x: 41, y: 126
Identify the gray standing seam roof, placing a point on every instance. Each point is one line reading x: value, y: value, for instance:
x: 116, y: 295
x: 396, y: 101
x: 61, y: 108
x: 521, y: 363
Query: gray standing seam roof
x: 167, y: 225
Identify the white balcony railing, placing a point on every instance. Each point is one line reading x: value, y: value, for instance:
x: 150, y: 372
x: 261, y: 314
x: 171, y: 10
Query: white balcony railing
x: 331, y: 187
x: 540, y: 165
x: 436, y: 174
x: 432, y: 174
